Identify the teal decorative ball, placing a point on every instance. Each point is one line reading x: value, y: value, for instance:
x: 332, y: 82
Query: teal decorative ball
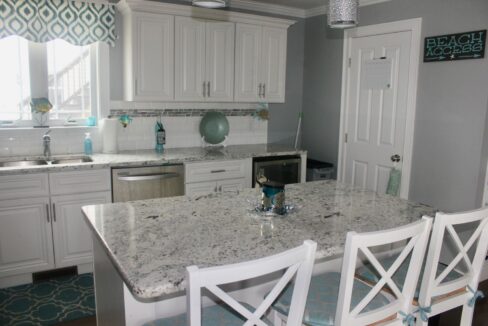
x: 214, y: 127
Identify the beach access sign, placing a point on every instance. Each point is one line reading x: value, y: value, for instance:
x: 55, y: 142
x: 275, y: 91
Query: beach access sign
x: 461, y: 46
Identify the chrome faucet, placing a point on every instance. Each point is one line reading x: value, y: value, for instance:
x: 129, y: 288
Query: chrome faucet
x: 46, y: 142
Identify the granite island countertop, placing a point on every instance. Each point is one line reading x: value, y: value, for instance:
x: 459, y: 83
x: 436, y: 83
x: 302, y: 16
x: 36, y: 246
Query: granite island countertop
x: 151, y: 158
x: 151, y: 242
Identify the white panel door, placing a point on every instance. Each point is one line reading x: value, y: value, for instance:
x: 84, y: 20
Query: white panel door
x: 190, y: 83
x: 25, y: 236
x: 273, y: 64
x: 376, y: 116
x: 248, y: 85
x: 154, y: 57
x: 220, y: 61
x: 72, y: 237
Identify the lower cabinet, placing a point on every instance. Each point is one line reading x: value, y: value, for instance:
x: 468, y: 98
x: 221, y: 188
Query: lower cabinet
x: 203, y: 178
x: 205, y: 188
x: 45, y: 229
x: 26, y: 244
x: 71, y: 236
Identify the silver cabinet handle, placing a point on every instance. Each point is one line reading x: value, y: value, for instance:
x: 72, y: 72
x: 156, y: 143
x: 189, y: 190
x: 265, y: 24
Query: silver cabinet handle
x: 54, y: 212
x: 217, y: 171
x: 47, y: 213
x: 204, y: 91
x: 135, y: 86
x: 264, y: 90
x: 220, y: 188
x: 142, y: 177
x: 208, y: 89
x: 215, y: 189
x: 260, y: 89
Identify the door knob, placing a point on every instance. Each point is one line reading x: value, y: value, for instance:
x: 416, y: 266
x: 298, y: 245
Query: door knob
x: 395, y: 158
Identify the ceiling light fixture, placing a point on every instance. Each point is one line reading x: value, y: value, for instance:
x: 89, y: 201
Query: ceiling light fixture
x: 210, y: 3
x: 343, y: 13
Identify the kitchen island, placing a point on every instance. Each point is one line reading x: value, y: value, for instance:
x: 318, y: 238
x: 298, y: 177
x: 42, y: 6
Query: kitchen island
x: 142, y: 248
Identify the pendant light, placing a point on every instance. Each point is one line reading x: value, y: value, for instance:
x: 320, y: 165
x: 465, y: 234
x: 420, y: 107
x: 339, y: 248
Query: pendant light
x: 343, y: 13
x: 210, y: 3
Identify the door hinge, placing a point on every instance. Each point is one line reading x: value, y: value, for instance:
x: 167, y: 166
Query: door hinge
x: 345, y: 137
x: 350, y: 62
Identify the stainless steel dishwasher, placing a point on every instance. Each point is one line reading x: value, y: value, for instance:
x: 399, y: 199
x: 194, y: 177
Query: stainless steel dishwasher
x: 147, y: 182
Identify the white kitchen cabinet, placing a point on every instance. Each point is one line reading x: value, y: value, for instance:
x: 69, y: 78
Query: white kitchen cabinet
x: 260, y: 63
x: 202, y: 178
x: 25, y: 236
x: 232, y: 185
x: 149, y: 57
x: 72, y: 238
x: 42, y: 227
x: 273, y: 64
x: 204, y: 60
x: 248, y: 85
x: 205, y: 188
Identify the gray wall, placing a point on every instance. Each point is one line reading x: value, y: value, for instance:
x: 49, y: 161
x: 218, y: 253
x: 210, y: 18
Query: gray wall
x: 283, y: 117
x: 451, y: 104
x: 322, y: 89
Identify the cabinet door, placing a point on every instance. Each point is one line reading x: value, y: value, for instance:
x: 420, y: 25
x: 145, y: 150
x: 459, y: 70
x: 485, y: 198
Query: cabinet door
x: 153, y: 57
x: 232, y: 185
x: 220, y: 61
x: 273, y: 64
x: 25, y: 236
x: 247, y: 66
x: 189, y: 59
x: 72, y: 237
x: 200, y: 188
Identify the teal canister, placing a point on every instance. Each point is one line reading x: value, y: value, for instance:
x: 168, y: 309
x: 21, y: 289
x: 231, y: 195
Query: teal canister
x: 273, y: 197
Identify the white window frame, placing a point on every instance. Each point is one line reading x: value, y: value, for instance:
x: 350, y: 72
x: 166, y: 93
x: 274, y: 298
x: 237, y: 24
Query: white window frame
x: 100, y: 78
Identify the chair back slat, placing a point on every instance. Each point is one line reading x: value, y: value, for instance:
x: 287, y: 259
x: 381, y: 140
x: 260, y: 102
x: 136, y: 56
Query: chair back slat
x: 297, y: 262
x: 417, y: 235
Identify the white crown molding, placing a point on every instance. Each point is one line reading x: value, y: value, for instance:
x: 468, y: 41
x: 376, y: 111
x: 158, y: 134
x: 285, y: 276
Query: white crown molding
x: 126, y: 6
x: 269, y: 8
x: 322, y: 10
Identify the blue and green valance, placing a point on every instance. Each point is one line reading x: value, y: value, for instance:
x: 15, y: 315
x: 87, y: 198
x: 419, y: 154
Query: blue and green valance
x: 77, y: 22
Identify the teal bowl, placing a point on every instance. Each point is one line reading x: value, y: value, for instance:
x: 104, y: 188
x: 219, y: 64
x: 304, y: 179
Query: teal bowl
x: 214, y: 127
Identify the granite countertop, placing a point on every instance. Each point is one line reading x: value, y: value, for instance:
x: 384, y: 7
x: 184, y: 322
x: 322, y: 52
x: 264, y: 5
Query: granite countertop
x: 151, y: 242
x: 150, y: 157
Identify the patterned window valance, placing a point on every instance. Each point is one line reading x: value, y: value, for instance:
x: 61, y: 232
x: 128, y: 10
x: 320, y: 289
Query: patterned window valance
x: 79, y: 23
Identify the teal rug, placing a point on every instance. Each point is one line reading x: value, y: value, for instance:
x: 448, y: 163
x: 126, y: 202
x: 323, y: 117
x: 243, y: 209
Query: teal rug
x: 48, y: 302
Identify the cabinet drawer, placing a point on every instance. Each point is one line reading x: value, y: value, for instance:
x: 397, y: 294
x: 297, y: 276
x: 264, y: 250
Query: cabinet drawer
x: 63, y: 183
x: 23, y: 186
x: 212, y: 171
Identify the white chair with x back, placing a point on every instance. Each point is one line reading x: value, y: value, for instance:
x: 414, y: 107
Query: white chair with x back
x: 444, y: 288
x: 298, y: 261
x: 343, y: 300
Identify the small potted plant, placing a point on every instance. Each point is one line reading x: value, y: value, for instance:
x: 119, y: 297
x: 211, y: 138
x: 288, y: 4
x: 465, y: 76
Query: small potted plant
x: 40, y: 108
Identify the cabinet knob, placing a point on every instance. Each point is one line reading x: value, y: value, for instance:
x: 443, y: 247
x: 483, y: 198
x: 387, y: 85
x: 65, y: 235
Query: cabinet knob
x: 208, y: 89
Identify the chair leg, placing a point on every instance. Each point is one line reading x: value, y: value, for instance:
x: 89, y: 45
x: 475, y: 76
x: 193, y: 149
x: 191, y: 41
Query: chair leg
x: 467, y: 315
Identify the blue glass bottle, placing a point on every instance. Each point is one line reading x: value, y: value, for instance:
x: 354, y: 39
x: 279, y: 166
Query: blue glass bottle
x: 88, y: 144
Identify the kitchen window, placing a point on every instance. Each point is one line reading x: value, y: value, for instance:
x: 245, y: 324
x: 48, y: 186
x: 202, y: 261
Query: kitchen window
x: 66, y: 74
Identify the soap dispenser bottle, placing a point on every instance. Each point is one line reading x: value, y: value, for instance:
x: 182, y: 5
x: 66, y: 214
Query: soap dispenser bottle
x: 88, y: 144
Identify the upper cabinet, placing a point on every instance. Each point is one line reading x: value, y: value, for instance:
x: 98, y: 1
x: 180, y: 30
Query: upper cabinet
x: 149, y: 57
x: 186, y: 54
x: 204, y: 64
x: 260, y: 63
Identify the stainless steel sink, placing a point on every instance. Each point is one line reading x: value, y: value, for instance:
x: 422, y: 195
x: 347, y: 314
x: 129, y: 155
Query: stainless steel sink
x: 23, y: 163
x: 72, y: 160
